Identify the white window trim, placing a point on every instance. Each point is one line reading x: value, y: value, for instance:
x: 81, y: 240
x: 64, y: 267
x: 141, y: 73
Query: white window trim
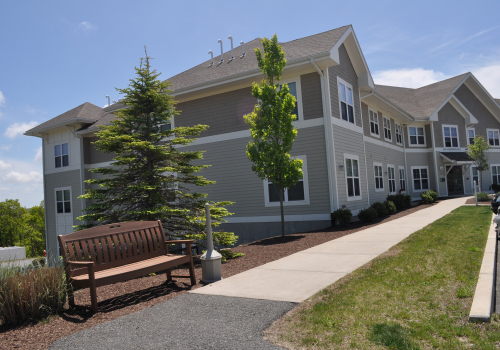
x: 297, y: 82
x: 488, y: 139
x: 69, y: 154
x: 340, y: 80
x: 409, y: 137
x: 388, y: 180
x: 458, y: 138
x: 467, y: 134
x: 70, y: 199
x: 401, y: 167
x: 370, y: 122
x: 428, y: 178
x: 390, y: 127
x: 172, y: 123
x: 354, y: 198
x: 491, y: 171
x: 472, y: 177
x: 305, y: 180
x: 400, y: 132
x: 375, y: 177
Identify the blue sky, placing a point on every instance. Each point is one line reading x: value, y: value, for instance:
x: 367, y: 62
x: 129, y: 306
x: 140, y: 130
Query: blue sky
x: 57, y: 55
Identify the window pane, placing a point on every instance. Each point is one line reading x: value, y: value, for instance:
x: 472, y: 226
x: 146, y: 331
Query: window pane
x: 416, y: 173
x: 67, y: 207
x: 60, y: 208
x: 446, y: 131
x: 420, y: 131
x: 454, y: 132
x: 64, y: 148
x: 493, y: 169
x: 65, y: 160
x: 471, y: 133
x: 66, y: 195
x: 58, y: 162
x: 348, y: 167
x: 423, y: 173
x: 447, y: 142
x: 356, y: 187
x: 293, y: 88
x: 355, y: 167
x: 425, y: 184
x: 455, y: 142
x: 376, y: 129
x: 349, y: 96
x: 59, y: 196
x: 351, y: 114
x: 350, y: 187
x: 274, y: 195
x: 344, y: 110
x: 166, y: 127
x: 57, y: 150
x: 342, y: 92
x: 296, y: 192
x: 413, y: 140
x: 417, y: 184
x: 413, y: 131
x: 421, y: 140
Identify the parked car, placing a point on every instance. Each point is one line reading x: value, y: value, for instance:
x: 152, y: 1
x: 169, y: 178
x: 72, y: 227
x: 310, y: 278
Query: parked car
x: 495, y: 203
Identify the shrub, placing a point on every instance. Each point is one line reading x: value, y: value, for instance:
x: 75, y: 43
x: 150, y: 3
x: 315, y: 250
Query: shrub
x: 426, y: 198
x: 433, y: 194
x: 30, y: 293
x: 391, y: 207
x: 367, y: 215
x: 380, y: 208
x: 342, y: 215
x: 483, y: 197
x: 402, y: 201
x: 228, y: 254
x: 495, y: 187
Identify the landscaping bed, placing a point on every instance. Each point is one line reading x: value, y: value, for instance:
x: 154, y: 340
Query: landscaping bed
x: 127, y: 297
x: 473, y: 201
x: 417, y: 295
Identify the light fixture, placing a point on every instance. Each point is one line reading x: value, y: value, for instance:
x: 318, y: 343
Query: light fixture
x: 341, y: 166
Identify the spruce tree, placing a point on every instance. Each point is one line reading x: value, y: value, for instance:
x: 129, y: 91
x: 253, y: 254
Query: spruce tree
x: 150, y: 178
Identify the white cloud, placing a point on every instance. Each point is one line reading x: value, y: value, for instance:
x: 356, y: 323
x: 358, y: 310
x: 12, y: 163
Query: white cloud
x: 5, y: 147
x: 4, y: 188
x: 5, y: 165
x: 2, y: 99
x: 489, y: 76
x: 39, y: 154
x: 32, y: 176
x: 86, y: 27
x: 18, y: 129
x: 410, y: 78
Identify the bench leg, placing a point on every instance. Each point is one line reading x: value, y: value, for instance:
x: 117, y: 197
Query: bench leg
x: 191, y: 272
x: 169, y: 275
x: 92, y: 287
x: 71, y: 296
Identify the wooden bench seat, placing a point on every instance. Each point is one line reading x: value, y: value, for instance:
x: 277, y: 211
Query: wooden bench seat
x: 113, y: 253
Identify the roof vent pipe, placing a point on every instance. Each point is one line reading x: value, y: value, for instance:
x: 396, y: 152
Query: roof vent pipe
x: 211, y: 54
x: 109, y: 101
x: 221, y: 52
x: 243, y: 44
x: 232, y: 52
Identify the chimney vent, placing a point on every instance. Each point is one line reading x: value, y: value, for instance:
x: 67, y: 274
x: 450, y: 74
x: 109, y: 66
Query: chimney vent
x: 211, y: 54
x: 221, y: 52
x: 243, y: 45
x: 232, y: 52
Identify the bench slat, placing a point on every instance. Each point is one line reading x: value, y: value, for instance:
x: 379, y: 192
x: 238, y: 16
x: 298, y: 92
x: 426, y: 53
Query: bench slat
x: 150, y: 240
x: 92, y: 249
x: 78, y: 250
x: 110, y: 248
x: 129, y: 246
x: 116, y: 248
x: 134, y: 243
x: 144, y: 242
x: 123, y: 246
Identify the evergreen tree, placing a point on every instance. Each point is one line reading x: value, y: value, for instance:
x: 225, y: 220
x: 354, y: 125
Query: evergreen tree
x: 150, y: 177
x: 271, y: 124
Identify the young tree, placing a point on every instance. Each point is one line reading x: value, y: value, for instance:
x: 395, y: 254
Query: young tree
x: 150, y: 177
x: 477, y: 152
x: 271, y: 124
x: 35, y: 226
x: 12, y: 223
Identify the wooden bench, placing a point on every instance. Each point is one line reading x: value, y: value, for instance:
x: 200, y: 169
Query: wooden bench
x: 113, y: 253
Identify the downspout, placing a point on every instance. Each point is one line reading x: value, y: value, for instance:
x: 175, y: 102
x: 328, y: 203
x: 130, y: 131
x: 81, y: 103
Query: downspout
x: 82, y: 172
x: 364, y: 146
x: 434, y: 157
x: 328, y: 136
x: 45, y: 200
x: 404, y: 151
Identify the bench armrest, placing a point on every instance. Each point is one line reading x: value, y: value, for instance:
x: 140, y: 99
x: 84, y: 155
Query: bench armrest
x: 90, y: 268
x: 180, y: 241
x: 83, y: 263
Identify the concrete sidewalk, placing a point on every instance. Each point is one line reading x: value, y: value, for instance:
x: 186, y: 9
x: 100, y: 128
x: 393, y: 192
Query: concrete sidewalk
x: 299, y: 276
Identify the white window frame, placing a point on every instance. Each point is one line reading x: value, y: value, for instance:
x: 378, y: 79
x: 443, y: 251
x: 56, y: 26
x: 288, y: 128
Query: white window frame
x: 428, y: 178
x: 305, y: 180
x: 376, y: 164
x: 391, y: 166
x: 352, y: 198
x: 70, y: 199
x: 375, y: 121
x: 340, y: 80
x: 172, y: 123
x: 409, y: 136
x: 468, y: 138
x: 296, y: 80
x: 497, y: 166
x: 384, y: 119
x: 488, y: 137
x: 451, y: 138
x: 401, y: 170
x: 69, y: 156
x: 398, y: 127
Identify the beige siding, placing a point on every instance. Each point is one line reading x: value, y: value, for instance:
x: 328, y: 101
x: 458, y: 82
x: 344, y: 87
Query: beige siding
x: 448, y: 115
x: 428, y: 136
x: 311, y: 96
x: 424, y: 159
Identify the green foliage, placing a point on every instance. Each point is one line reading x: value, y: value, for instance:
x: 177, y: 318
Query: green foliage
x: 271, y: 125
x: 228, y: 254
x: 391, y: 207
x: 151, y: 178
x: 392, y: 335
x: 380, y: 208
x: 495, y: 187
x: 426, y: 198
x: 367, y: 215
x: 402, y: 201
x: 342, y: 215
x: 433, y: 194
x: 483, y: 197
x: 477, y: 152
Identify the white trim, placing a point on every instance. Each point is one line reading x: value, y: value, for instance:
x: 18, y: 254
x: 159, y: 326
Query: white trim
x: 409, y: 136
x: 378, y: 164
x: 491, y: 172
x: 62, y: 170
x: 451, y: 138
x: 277, y: 218
x: 69, y: 155
x: 467, y: 134
x: 404, y: 177
x: 298, y: 86
x: 375, y: 113
x: 383, y: 144
x: 340, y: 80
x: 396, y: 124
x: 428, y: 178
x: 329, y: 129
x: 434, y: 157
x: 420, y: 150
x: 70, y: 199
x: 305, y: 181
x: 384, y: 118
x: 364, y: 151
x: 346, y: 125
x: 352, y: 198
x: 389, y: 179
x: 488, y: 138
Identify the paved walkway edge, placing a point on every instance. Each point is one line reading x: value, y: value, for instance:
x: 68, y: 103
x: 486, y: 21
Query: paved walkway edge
x: 484, y: 297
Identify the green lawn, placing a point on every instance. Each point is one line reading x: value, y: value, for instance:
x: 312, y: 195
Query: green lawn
x: 415, y: 296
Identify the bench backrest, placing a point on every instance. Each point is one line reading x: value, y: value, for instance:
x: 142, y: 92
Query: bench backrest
x: 113, y: 245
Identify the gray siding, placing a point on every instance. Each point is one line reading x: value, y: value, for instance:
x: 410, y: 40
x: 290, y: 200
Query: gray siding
x: 428, y: 136
x: 311, y: 96
x: 449, y: 115
x: 345, y: 71
x: 420, y: 159
x: 91, y: 155
x: 366, y: 126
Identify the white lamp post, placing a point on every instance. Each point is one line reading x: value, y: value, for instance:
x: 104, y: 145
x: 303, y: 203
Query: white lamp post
x: 211, y: 260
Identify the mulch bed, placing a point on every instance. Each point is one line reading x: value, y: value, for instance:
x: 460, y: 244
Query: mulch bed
x: 127, y: 297
x: 473, y: 201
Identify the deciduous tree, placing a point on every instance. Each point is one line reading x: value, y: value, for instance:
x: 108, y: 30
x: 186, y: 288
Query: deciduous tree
x: 477, y: 152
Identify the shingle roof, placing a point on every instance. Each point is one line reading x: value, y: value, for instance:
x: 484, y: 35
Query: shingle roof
x: 86, y: 111
x: 295, y: 50
x: 421, y: 102
x: 457, y: 156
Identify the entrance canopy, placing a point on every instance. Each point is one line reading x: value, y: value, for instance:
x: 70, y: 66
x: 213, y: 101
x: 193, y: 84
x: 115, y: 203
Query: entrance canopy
x: 458, y: 158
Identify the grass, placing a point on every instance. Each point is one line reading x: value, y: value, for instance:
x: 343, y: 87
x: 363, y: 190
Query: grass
x: 415, y: 296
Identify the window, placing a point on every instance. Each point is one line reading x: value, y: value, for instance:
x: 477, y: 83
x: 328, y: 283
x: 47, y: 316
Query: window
x: 387, y: 128
x: 495, y: 174
x: 346, y: 102
x: 166, y: 127
x: 61, y: 154
x: 475, y: 176
x: 373, y: 123
x: 402, y: 178
x: 391, y: 175
x: 417, y: 135
x: 493, y: 137
x: 450, y: 135
x: 420, y: 179
x: 63, y: 201
x: 471, y: 133
x: 297, y: 194
x: 399, y: 134
x: 352, y: 177
x: 379, y: 177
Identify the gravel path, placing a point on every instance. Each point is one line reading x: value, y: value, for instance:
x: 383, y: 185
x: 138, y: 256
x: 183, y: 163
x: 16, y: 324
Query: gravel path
x: 186, y: 322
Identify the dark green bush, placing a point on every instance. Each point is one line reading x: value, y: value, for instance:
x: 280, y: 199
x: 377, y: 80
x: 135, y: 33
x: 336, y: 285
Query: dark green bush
x: 391, y: 207
x: 495, y: 187
x: 342, y: 215
x: 402, y: 201
x: 380, y: 208
x: 426, y: 198
x: 367, y: 215
x: 483, y: 197
x: 433, y: 194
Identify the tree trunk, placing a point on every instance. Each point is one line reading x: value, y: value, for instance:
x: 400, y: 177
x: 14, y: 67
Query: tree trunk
x: 480, y: 180
x: 282, y: 213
